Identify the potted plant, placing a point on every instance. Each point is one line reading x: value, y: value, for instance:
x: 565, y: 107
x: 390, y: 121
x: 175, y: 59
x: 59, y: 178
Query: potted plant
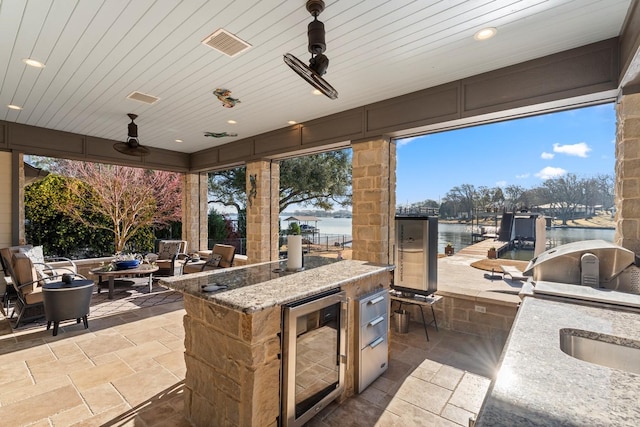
x: 491, y: 253
x: 448, y: 250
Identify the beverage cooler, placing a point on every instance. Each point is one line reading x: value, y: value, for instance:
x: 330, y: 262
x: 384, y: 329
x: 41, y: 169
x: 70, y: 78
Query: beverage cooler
x: 416, y: 255
x: 313, y: 355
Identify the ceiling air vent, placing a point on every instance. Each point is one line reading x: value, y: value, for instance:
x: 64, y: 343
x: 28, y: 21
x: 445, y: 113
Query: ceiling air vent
x: 227, y: 43
x: 143, y: 97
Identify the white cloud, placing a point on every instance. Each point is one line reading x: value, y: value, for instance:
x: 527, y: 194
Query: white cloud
x: 501, y: 183
x: 547, y: 156
x: 523, y: 176
x: 550, y: 172
x: 405, y: 141
x: 580, y: 149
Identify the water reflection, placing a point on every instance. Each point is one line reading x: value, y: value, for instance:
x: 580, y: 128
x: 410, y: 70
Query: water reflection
x: 459, y: 235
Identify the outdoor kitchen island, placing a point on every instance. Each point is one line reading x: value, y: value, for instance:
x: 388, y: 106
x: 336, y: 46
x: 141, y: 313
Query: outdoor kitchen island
x: 233, y: 335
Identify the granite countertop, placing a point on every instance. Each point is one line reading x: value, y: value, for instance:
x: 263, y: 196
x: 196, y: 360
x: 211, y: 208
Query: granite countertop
x: 259, y: 286
x: 539, y: 385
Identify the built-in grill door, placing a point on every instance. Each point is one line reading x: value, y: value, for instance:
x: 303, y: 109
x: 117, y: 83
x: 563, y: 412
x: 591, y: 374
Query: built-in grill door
x: 313, y: 356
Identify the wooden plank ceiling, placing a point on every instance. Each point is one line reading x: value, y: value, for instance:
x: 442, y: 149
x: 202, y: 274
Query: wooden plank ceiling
x: 98, y: 52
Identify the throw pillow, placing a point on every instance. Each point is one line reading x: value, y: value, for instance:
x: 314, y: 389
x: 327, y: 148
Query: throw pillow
x: 213, y: 261
x: 169, y: 249
x: 36, y: 256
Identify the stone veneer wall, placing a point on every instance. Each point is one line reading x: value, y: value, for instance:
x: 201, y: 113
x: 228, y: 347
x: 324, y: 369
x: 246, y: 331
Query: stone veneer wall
x: 233, y: 363
x: 5, y: 199
x: 19, y: 231
x: 195, y: 211
x: 627, y: 190
x: 457, y: 312
x: 262, y: 211
x: 374, y: 200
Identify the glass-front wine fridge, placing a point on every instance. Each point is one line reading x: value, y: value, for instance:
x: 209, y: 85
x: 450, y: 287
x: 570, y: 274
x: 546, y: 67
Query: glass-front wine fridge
x: 313, y: 355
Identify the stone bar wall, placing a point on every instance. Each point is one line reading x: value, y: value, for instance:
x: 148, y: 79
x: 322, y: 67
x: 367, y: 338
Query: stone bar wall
x: 233, y: 369
x: 262, y: 211
x: 195, y: 211
x: 374, y: 200
x: 233, y: 364
x: 627, y: 189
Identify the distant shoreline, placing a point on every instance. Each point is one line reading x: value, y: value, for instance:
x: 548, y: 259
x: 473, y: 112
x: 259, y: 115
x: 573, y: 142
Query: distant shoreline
x: 594, y: 227
x: 596, y: 222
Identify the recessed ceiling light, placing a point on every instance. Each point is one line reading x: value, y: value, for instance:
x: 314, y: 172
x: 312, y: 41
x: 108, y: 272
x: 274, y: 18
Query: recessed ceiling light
x: 316, y: 92
x: 179, y: 140
x: 292, y: 122
x: 231, y: 122
x: 485, y: 33
x: 14, y: 107
x: 33, y: 63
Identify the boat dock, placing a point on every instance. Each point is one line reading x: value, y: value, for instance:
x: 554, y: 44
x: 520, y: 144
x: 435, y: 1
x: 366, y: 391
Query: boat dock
x: 480, y: 249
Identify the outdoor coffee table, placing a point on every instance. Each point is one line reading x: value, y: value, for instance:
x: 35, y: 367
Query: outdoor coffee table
x: 142, y: 270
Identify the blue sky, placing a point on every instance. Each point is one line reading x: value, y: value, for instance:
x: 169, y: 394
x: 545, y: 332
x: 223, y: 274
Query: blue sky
x: 523, y: 152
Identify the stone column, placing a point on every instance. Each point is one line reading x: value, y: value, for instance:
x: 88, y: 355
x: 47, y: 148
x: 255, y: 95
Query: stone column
x: 374, y: 199
x: 263, y: 187
x: 18, y: 236
x: 194, y: 211
x: 627, y: 189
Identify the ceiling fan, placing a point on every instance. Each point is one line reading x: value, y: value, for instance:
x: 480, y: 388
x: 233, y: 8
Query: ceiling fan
x: 132, y: 147
x: 318, y: 63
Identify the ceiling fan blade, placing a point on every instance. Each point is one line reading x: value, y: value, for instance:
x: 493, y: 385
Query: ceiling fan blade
x: 313, y: 78
x: 125, y: 148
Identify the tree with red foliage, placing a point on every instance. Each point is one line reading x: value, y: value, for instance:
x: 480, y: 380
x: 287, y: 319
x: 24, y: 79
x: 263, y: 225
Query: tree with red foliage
x: 128, y: 198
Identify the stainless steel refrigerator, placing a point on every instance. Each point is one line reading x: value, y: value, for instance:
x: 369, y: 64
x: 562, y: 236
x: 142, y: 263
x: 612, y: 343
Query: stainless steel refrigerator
x: 416, y: 255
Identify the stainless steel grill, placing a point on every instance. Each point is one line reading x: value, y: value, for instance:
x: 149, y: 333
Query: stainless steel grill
x: 595, y: 263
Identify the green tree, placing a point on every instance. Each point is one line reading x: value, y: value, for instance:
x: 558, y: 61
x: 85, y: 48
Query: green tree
x: 219, y: 228
x: 318, y: 180
x: 56, y: 231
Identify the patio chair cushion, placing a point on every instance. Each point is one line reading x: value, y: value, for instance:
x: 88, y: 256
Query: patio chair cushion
x: 227, y: 252
x: 25, y: 272
x: 35, y: 296
x: 7, y: 256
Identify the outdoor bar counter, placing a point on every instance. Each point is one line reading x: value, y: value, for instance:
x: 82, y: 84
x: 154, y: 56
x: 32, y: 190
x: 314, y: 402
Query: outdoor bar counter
x: 232, y: 336
x: 540, y: 385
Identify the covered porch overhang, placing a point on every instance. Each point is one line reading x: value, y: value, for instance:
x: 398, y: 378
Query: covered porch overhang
x: 606, y: 71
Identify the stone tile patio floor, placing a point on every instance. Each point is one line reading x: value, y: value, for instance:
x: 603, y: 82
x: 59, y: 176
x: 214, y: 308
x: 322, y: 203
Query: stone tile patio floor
x: 127, y: 369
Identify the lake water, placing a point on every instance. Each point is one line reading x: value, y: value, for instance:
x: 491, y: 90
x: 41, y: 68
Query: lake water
x: 340, y: 226
x: 460, y: 235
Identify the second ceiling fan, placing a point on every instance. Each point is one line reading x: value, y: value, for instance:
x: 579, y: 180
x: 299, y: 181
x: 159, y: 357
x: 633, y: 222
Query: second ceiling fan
x: 132, y: 147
